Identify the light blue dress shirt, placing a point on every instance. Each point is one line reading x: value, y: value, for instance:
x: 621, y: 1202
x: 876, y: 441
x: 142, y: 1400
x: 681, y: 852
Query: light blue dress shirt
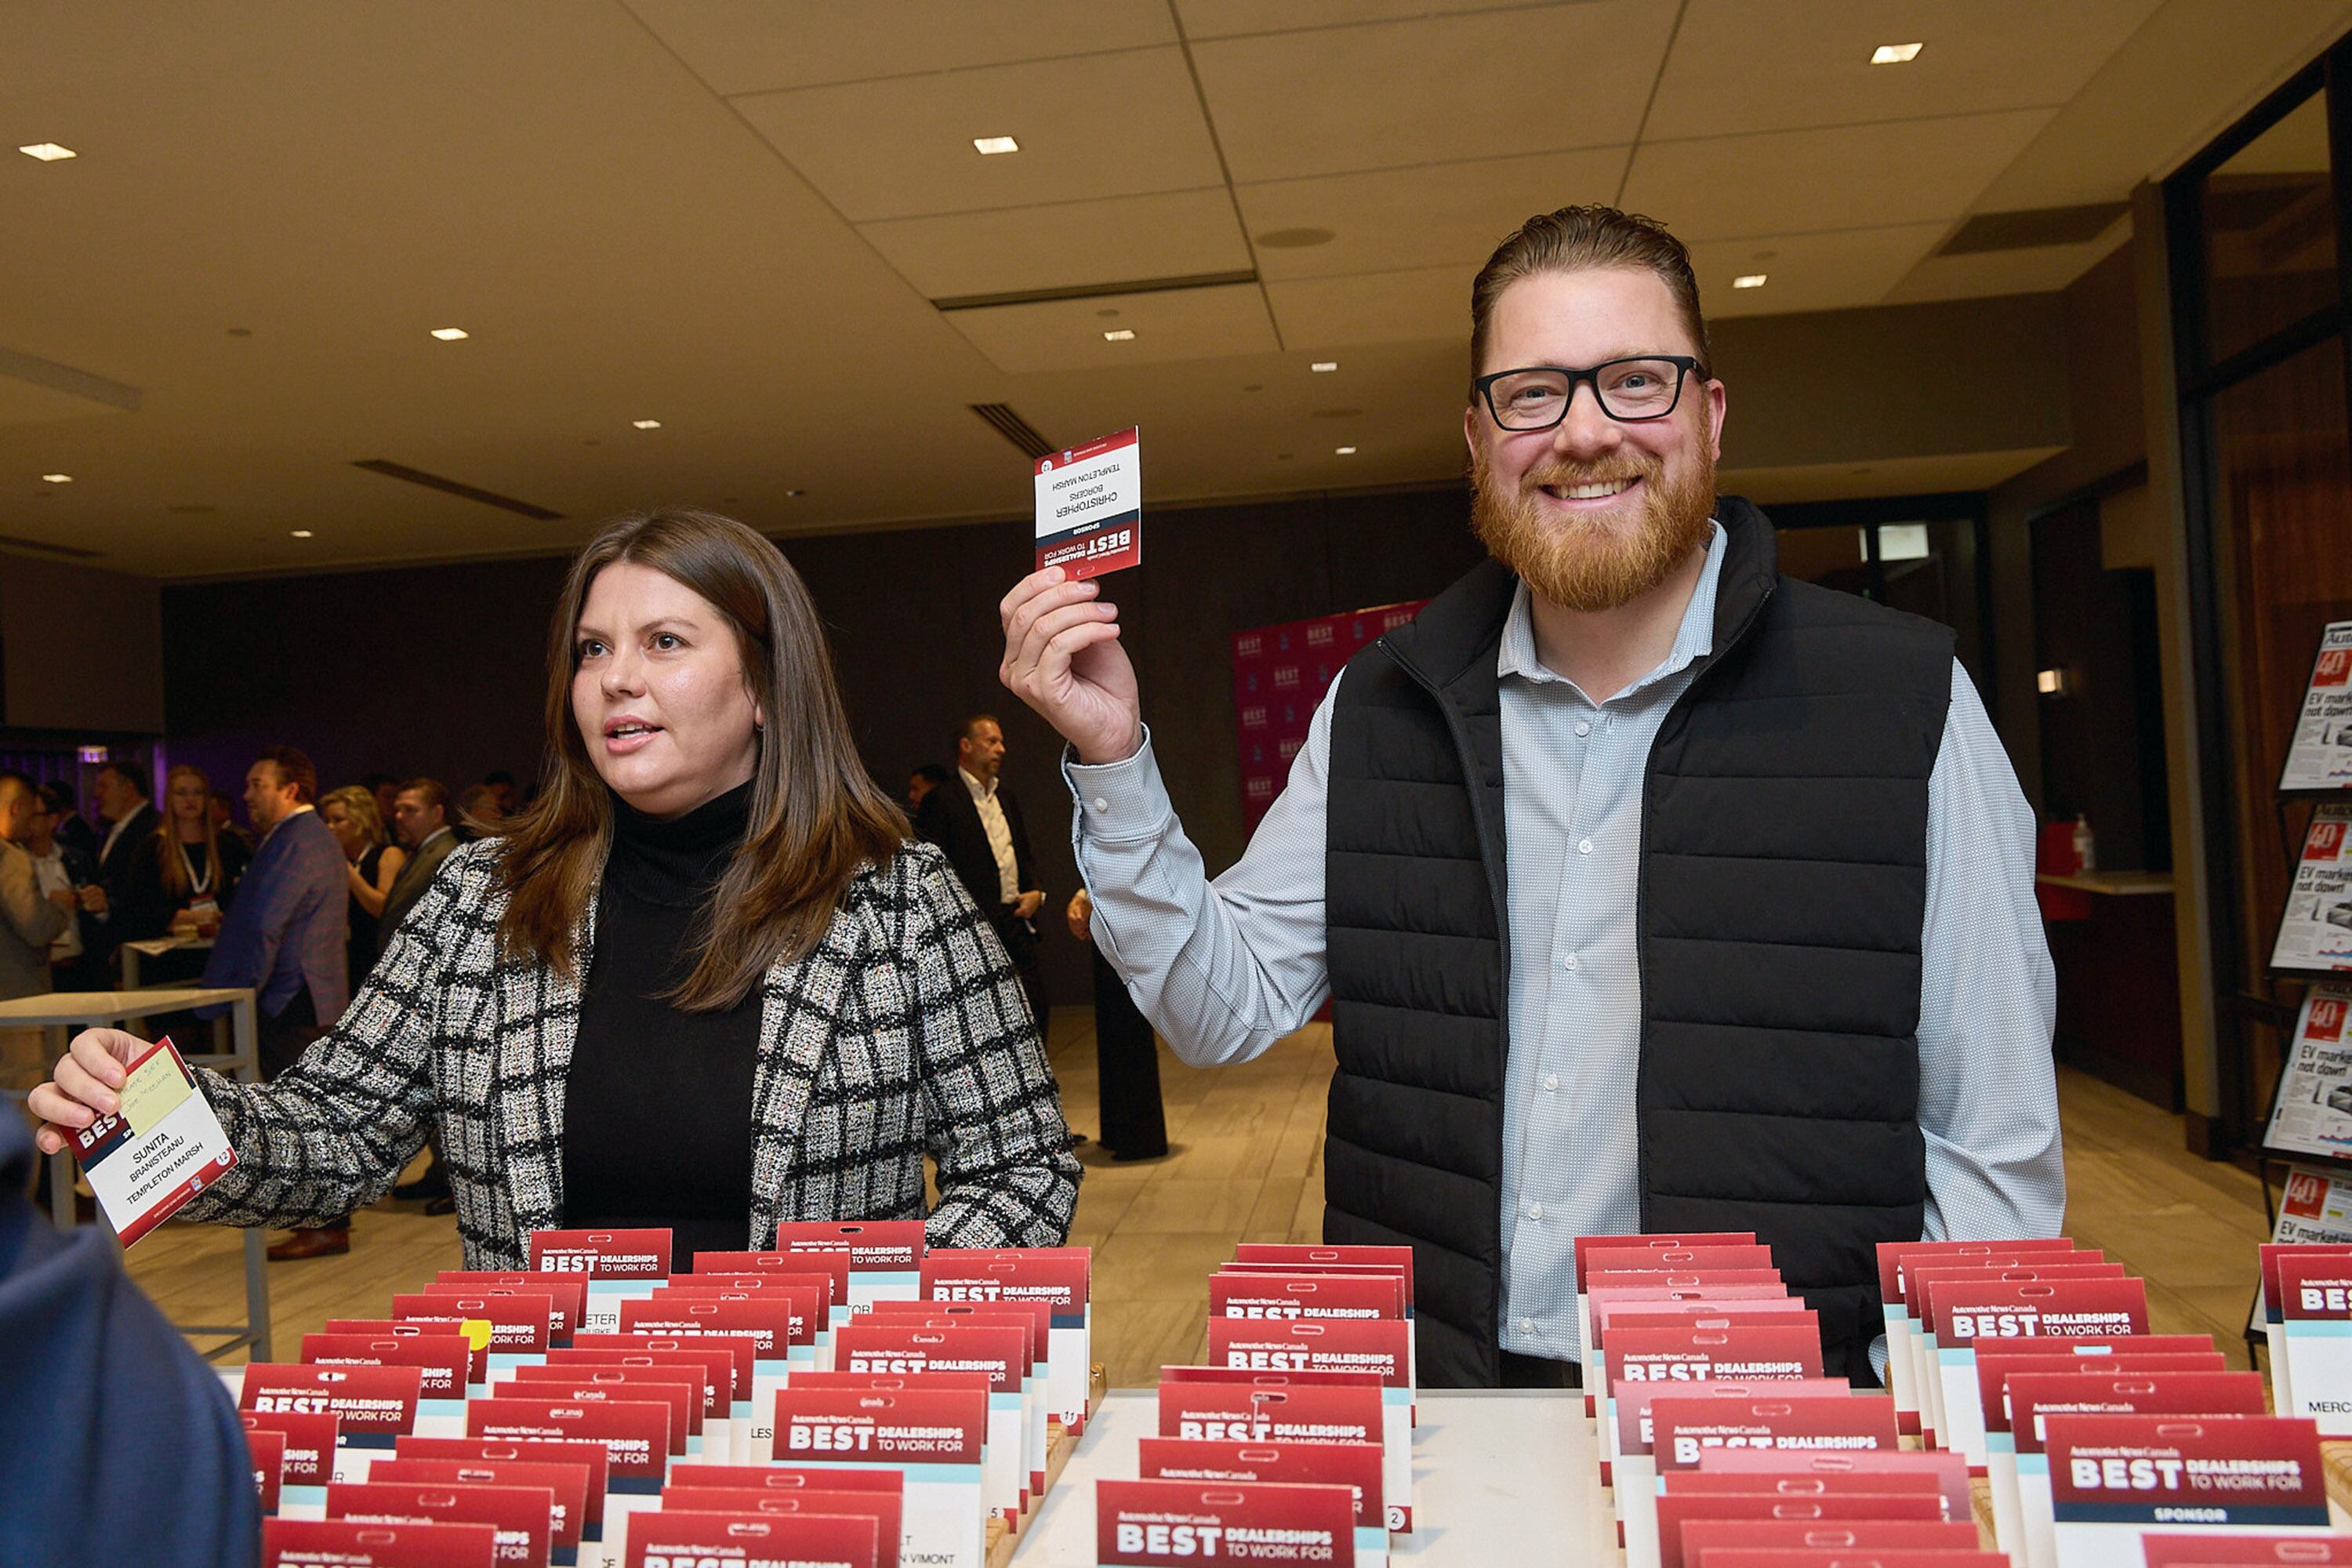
x: 1224, y: 969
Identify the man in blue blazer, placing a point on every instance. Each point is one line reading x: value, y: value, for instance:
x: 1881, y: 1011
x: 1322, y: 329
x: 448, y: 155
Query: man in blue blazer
x: 285, y: 935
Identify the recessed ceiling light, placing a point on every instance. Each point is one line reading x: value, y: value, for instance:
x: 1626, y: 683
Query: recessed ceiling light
x: 988, y: 146
x: 1324, y: 364
x: 57, y: 479
x: 48, y: 151
x: 794, y: 494
x: 1895, y: 54
x: 449, y: 335
x: 1749, y: 280
x: 1345, y: 451
x: 301, y: 532
x: 646, y: 424
x: 1119, y: 335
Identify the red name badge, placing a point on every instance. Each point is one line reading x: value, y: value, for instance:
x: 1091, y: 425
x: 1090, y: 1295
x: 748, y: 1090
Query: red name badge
x: 587, y: 1451
x: 2273, y: 1252
x: 1032, y: 1320
x: 714, y: 1368
x: 1585, y: 1249
x: 680, y: 1391
x: 306, y: 1542
x: 1687, y: 1423
x: 1963, y: 1312
x: 833, y: 1264
x: 677, y: 1539
x: 1090, y: 507
x: 309, y: 1454
x: 1308, y: 1259
x: 269, y: 1452
x: 522, y: 1516
x: 1356, y: 1465
x: 1802, y: 1477
x: 786, y: 1478
x: 443, y: 1359
x: 1897, y: 1259
x: 1823, y: 1526
x: 2036, y: 1398
x: 1781, y: 1557
x: 880, y: 1426
x: 635, y: 1435
x: 733, y: 1352
x: 477, y: 1361
x: 811, y: 1297
x: 1933, y: 1290
x: 1059, y: 1281
x: 601, y: 1254
x: 1239, y: 1413
x: 1151, y: 1523
x: 372, y: 1405
x: 1701, y: 1350
x: 1637, y: 1428
x: 2216, y: 1550
x: 875, y: 1246
x: 1381, y: 1346
x: 1303, y: 1295
x: 2314, y: 1289
x: 771, y: 1320
x: 517, y: 1323
x: 884, y: 1508
x: 2132, y: 1352
x: 900, y: 1349
x: 2219, y: 1471
x: 566, y: 1484
x: 570, y: 1293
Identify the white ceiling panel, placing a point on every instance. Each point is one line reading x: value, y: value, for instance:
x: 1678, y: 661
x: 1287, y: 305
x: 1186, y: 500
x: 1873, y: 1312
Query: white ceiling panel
x: 1107, y: 125
x: 1233, y: 18
x: 1125, y: 239
x: 1426, y: 304
x: 1432, y: 89
x: 1811, y: 67
x: 1850, y: 176
x: 1438, y: 215
x: 760, y: 45
x: 1067, y: 334
x: 2040, y: 269
x: 1808, y: 271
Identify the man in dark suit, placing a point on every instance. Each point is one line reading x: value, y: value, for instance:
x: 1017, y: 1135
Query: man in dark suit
x: 122, y: 801
x: 421, y: 817
x: 285, y: 935
x: 978, y: 822
x: 71, y: 831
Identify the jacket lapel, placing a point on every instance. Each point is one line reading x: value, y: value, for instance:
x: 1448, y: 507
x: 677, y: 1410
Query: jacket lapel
x: 538, y: 1018
x: 801, y: 1011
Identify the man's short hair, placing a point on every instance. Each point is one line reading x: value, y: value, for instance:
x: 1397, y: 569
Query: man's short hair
x: 124, y: 772
x: 60, y: 797
x: 293, y: 768
x: 931, y: 773
x: 1576, y: 239
x: 433, y: 792
x: 963, y: 730
x: 10, y: 777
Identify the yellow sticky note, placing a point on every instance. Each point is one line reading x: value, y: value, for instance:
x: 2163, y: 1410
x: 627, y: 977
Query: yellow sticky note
x: 155, y: 1088
x: 477, y: 1332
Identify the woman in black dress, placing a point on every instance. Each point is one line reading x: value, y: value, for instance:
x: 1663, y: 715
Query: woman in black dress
x: 180, y: 878
x: 351, y: 813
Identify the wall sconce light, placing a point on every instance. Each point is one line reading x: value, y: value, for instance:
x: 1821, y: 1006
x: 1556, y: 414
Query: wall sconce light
x: 2053, y: 683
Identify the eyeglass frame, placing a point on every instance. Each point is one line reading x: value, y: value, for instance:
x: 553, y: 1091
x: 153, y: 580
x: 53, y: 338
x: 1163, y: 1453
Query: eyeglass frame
x: 1686, y: 366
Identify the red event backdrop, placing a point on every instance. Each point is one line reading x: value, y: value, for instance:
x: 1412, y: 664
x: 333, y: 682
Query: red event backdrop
x: 1280, y: 674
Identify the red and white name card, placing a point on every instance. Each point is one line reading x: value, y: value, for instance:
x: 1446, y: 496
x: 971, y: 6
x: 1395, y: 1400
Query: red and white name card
x: 2113, y: 1477
x: 268, y: 1450
x: 879, y: 1494
x: 935, y: 1438
x: 767, y: 1320
x: 1060, y: 1280
x: 831, y: 1262
x: 680, y: 1392
x: 1798, y: 1477
x: 1786, y: 1530
x: 1032, y: 1322
x: 1706, y: 1349
x: 883, y: 1508
x: 814, y: 1296
x: 518, y: 1321
x: 475, y: 1332
x: 1963, y: 1316
x: 879, y: 1346
x: 2316, y: 1333
x: 886, y: 1257
x: 1224, y: 1412
x: 1769, y: 1308
x: 636, y: 1435
x: 2250, y: 1550
x: 713, y: 1359
x: 442, y: 1361
x: 157, y: 1148
x: 1381, y: 1347
x: 1090, y: 507
x: 1782, y: 1557
x: 565, y: 1484
x: 721, y: 1538
x: 307, y: 1463
x: 1165, y: 1525
x: 1895, y: 1259
x: 1931, y: 1284
x: 1356, y: 1465
x: 569, y: 1292
x: 2274, y: 1308
x: 519, y: 1517
x: 561, y: 1452
x: 1233, y: 1294
x: 372, y: 1405
x: 2037, y: 1398
x: 1642, y: 1465
x: 1302, y: 1256
x: 618, y: 1265
x: 310, y: 1542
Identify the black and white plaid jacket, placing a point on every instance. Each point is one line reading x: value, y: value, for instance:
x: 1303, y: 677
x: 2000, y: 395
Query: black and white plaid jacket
x: 904, y: 1031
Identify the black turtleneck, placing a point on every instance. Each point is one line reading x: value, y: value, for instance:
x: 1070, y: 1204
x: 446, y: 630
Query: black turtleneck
x: 657, y: 1104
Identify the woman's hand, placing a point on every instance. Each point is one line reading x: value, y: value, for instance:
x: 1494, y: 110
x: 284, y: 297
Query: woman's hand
x: 86, y: 1085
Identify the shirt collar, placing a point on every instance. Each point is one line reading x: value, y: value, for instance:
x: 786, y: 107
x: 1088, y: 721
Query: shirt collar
x: 284, y: 820
x: 1694, y: 640
x: 979, y: 790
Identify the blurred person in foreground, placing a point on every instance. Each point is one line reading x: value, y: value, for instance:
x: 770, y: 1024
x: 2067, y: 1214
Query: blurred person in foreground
x: 30, y: 918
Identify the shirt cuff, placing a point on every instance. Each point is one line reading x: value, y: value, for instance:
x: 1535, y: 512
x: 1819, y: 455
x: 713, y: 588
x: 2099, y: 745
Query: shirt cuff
x: 1122, y: 800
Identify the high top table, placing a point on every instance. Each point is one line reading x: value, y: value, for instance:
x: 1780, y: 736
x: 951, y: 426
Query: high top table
x: 61, y: 1015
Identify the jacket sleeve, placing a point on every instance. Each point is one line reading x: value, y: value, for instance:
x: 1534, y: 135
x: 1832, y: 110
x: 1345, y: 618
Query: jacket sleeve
x: 28, y: 912
x: 992, y: 1111
x: 332, y: 1134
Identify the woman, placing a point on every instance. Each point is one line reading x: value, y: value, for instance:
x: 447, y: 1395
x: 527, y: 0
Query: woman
x: 705, y: 981
x: 351, y: 815
x: 180, y: 878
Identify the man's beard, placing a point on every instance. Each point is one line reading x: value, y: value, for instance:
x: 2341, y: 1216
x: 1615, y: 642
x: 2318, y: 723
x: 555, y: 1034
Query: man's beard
x: 1581, y: 566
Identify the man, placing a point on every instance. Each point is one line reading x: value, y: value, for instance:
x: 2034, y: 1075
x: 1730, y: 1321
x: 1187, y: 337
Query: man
x: 30, y: 918
x: 1652, y: 890
x: 61, y: 870
x: 420, y: 816
x: 502, y: 788
x: 72, y: 830
x: 285, y: 935
x: 979, y: 823
x: 225, y: 823
x: 386, y: 791
x: 922, y: 781
x: 122, y: 801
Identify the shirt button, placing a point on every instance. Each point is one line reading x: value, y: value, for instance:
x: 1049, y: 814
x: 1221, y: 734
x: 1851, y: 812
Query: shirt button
x: 1584, y: 847
x: 1571, y: 961
x: 1534, y: 1211
x: 1101, y: 805
x: 1583, y: 727
x: 1551, y: 1083
x: 1527, y: 1325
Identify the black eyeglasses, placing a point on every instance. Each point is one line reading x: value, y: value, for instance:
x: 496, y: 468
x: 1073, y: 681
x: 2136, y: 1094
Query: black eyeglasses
x: 1628, y: 390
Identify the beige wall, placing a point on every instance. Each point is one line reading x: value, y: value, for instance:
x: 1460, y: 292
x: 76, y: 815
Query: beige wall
x: 83, y: 649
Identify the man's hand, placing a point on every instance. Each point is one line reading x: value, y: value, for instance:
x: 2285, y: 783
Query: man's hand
x: 88, y: 1085
x: 1028, y: 903
x: 1062, y: 657
x: 63, y: 897
x: 93, y: 899
x: 1081, y: 910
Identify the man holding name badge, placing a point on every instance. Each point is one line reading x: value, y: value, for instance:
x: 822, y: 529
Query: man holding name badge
x: 1652, y: 890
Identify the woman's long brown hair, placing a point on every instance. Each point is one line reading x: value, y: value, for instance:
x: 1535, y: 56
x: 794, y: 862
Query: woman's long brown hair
x: 817, y: 818
x: 169, y: 863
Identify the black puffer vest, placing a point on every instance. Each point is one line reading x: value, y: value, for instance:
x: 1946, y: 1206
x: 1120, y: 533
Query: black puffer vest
x: 1781, y: 895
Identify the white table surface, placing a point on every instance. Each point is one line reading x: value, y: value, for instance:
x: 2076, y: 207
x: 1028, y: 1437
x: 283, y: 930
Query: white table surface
x: 85, y: 1006
x: 1500, y: 1480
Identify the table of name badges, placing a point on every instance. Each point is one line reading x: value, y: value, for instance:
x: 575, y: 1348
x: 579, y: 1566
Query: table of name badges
x: 1498, y: 1477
